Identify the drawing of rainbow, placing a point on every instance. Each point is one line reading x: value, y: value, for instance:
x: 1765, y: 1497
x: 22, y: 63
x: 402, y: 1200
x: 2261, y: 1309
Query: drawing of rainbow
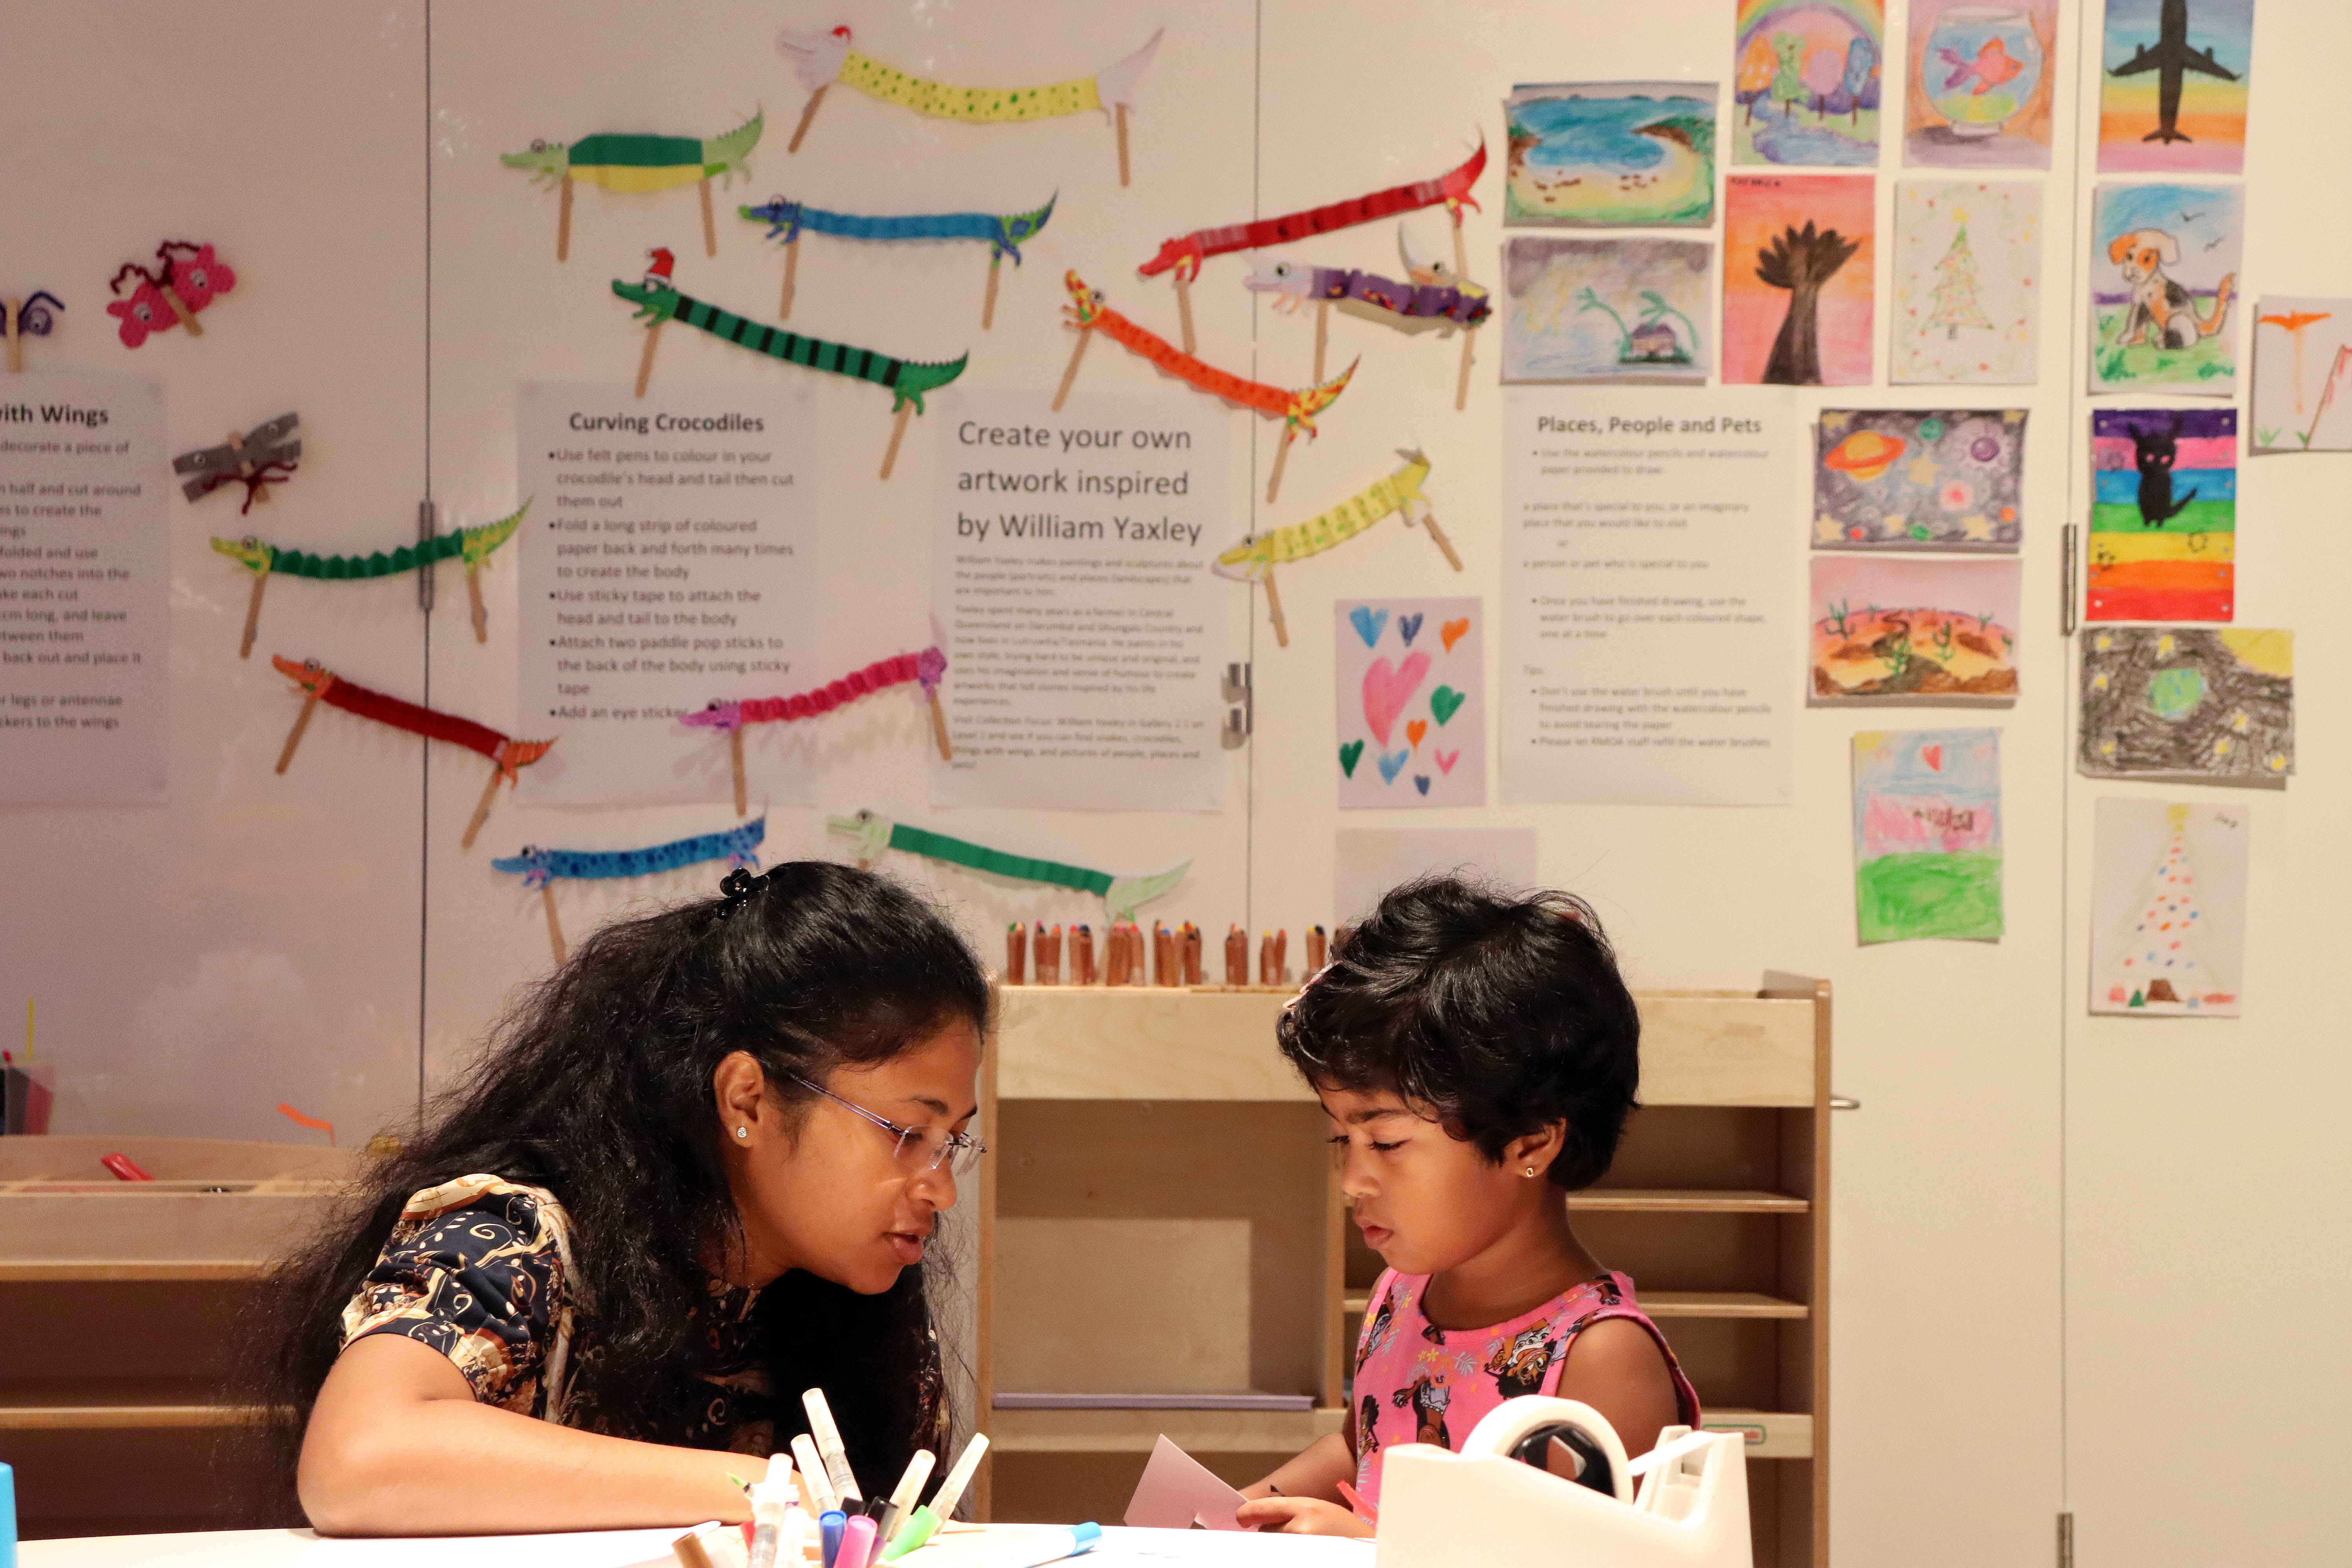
x: 2180, y: 567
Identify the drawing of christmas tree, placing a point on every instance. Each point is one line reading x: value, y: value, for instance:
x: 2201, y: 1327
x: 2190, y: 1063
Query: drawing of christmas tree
x: 1956, y: 292
x: 2162, y: 967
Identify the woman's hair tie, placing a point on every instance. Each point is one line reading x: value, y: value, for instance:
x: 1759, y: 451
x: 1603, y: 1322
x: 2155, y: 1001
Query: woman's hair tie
x: 737, y: 888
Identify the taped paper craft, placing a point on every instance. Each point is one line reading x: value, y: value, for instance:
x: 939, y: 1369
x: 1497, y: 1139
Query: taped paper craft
x: 33, y: 316
x: 1177, y: 1491
x: 1121, y: 895
x: 1256, y: 557
x: 1185, y: 252
x: 187, y: 278
x: 628, y: 162
x: 1434, y: 297
x: 319, y: 685
x: 1002, y: 233
x: 820, y: 59
x: 472, y: 545
x: 539, y: 868
x: 658, y: 300
x: 260, y: 458
x: 728, y: 718
x: 1296, y: 410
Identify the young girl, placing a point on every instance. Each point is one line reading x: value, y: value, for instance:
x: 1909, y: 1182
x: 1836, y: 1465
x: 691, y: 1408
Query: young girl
x: 694, y: 1174
x: 1477, y: 1055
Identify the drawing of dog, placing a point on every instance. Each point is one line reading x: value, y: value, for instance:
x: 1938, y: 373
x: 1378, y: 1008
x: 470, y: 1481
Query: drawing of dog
x: 2162, y: 314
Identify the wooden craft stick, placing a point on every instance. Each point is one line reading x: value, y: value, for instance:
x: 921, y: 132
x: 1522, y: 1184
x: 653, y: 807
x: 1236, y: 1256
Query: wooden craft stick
x: 1281, y: 456
x: 1071, y: 374
x: 179, y: 307
x: 554, y: 927
x: 11, y: 309
x: 792, y: 275
x: 988, y: 300
x: 294, y: 736
x: 1184, y: 308
x: 645, y: 361
x: 940, y: 726
x: 1429, y: 522
x: 709, y: 227
x: 801, y: 130
x: 1120, y: 115
x: 1273, y: 610
x: 482, y: 810
x: 473, y: 601
x: 735, y: 753
x: 252, y: 624
x: 1461, y: 257
x: 1322, y: 335
x: 1462, y: 382
x: 563, y: 221
x: 898, y: 434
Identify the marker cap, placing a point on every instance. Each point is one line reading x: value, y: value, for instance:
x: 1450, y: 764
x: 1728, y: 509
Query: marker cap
x: 916, y: 1531
x: 830, y: 1529
x: 857, y: 1544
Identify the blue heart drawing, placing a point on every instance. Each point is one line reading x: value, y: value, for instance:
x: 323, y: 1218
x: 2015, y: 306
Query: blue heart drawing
x: 1370, y: 623
x: 1420, y: 782
x: 1407, y: 627
x: 1392, y: 764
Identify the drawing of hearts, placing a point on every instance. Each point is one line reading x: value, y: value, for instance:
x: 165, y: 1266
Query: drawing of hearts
x: 1350, y: 755
x: 1445, y: 702
x: 1368, y: 623
x: 1414, y: 732
x: 1454, y: 632
x: 1420, y: 782
x: 1933, y: 756
x: 1446, y: 761
x: 1392, y: 764
x: 1387, y: 689
x: 1407, y: 627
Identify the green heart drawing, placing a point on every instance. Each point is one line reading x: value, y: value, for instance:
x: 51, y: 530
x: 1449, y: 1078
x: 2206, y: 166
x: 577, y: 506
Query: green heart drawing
x: 1445, y: 702
x: 1350, y: 755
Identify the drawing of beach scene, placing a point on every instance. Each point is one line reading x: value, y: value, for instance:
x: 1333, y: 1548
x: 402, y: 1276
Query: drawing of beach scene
x: 1914, y: 630
x: 1606, y: 309
x: 1809, y: 79
x: 1610, y: 154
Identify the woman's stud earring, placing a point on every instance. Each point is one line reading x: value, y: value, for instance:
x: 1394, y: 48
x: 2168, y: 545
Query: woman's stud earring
x: 746, y: 1132
x: 1530, y: 1171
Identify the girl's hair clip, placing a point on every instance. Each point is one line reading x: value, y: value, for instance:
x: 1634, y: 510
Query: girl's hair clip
x: 1304, y: 986
x: 737, y: 888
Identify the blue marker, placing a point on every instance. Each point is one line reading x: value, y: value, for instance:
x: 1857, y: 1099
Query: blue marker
x: 1053, y: 1548
x: 829, y: 1532
x: 8, y: 1517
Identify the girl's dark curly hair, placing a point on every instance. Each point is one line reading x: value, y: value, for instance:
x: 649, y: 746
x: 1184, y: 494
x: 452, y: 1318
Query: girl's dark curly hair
x: 597, y: 1086
x: 1499, y: 1014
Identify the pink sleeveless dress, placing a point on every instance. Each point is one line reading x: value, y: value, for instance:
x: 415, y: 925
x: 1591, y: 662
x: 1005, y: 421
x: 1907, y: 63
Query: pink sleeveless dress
x: 1416, y: 1383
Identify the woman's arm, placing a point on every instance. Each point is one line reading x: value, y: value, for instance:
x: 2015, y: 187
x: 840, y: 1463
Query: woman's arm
x: 397, y: 1444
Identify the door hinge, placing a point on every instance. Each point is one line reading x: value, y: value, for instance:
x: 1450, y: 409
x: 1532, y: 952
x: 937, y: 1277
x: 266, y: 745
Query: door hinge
x: 429, y: 523
x: 2073, y: 560
x: 1240, y: 717
x: 2066, y: 1540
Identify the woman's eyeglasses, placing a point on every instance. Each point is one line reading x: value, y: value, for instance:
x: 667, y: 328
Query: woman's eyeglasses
x: 919, y: 1147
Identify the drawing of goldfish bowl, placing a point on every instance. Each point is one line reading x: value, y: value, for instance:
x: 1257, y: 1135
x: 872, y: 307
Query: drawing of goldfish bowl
x: 1981, y: 67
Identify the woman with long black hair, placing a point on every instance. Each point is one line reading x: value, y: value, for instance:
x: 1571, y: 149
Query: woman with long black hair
x: 693, y: 1174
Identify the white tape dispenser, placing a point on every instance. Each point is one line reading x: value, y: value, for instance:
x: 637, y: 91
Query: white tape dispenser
x: 1507, y: 1498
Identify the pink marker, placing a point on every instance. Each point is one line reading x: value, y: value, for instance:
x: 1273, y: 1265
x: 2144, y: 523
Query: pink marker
x: 857, y: 1544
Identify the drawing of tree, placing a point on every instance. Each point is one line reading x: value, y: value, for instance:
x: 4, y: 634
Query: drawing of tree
x: 2161, y: 963
x: 1589, y: 301
x: 1802, y: 261
x: 1823, y: 71
x: 1860, y: 61
x: 1757, y: 66
x: 1788, y: 76
x: 1956, y: 289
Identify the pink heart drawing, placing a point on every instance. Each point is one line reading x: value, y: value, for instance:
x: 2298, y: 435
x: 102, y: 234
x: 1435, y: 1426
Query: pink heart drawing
x: 1933, y: 756
x: 1446, y: 761
x: 1388, y: 687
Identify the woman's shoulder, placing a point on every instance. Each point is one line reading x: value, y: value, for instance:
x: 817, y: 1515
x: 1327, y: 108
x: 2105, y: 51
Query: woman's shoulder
x: 490, y: 1208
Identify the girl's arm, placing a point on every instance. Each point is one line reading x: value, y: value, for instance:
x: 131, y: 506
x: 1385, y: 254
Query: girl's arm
x: 397, y: 1444
x: 1316, y: 1471
x: 1616, y: 1367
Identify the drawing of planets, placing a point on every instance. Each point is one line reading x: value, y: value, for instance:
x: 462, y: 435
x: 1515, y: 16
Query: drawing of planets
x: 2175, y: 693
x: 1866, y: 454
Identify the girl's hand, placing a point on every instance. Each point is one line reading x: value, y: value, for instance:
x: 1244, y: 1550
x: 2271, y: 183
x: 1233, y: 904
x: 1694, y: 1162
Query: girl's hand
x: 1299, y: 1516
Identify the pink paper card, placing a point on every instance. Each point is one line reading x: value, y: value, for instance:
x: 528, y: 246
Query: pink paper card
x: 1178, y: 1492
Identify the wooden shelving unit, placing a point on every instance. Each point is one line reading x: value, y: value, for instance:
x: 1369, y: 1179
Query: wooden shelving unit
x: 119, y: 1301
x: 1160, y: 1216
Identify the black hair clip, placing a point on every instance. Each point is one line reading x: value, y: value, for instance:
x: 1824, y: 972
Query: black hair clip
x: 738, y: 887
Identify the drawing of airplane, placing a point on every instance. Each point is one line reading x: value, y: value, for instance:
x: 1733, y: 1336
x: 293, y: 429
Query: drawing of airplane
x: 2172, y: 55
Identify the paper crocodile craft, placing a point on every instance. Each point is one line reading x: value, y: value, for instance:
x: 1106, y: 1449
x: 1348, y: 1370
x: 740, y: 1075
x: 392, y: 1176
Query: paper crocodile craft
x: 1121, y: 895
x: 634, y: 162
x: 738, y: 846
x: 472, y: 545
x: 1003, y: 233
x: 906, y: 380
x: 728, y: 718
x: 1185, y: 252
x: 1255, y: 558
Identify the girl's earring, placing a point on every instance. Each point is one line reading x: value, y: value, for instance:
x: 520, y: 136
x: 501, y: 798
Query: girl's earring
x: 746, y: 1132
x: 1530, y: 1171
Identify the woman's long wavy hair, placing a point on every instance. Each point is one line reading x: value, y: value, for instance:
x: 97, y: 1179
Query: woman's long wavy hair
x: 597, y: 1086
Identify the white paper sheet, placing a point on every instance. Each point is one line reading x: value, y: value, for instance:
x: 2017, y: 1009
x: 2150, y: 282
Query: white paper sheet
x: 1410, y: 692
x: 668, y: 561
x: 2168, y: 908
x: 1648, y: 564
x: 591, y: 1549
x: 85, y: 566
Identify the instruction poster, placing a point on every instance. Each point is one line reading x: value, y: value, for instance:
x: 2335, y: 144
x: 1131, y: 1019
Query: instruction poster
x: 1648, y: 546
x: 1070, y: 571
x: 85, y: 564
x: 668, y: 561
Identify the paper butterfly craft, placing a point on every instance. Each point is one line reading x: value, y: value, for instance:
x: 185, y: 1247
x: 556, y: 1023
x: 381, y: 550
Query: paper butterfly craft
x: 820, y: 59
x: 539, y: 868
x: 473, y: 545
x: 1185, y: 252
x: 1296, y: 410
x: 728, y: 718
x: 258, y: 457
x: 658, y: 300
x: 1121, y: 895
x: 626, y: 161
x: 185, y: 278
x: 319, y: 685
x: 1256, y: 557
x: 1003, y: 233
x: 33, y: 316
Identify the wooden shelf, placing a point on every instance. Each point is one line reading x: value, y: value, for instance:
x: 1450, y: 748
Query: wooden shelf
x: 1683, y: 1199
x: 1770, y: 1433
x: 1675, y: 1304
x: 88, y: 1403
x: 1135, y: 1431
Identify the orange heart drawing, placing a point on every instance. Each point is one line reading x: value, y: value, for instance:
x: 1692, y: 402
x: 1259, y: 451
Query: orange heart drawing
x: 1454, y: 632
x: 1415, y: 731
x: 1933, y: 756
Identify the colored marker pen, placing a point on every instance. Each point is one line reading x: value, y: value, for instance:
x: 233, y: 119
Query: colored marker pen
x: 857, y: 1544
x: 8, y: 1517
x: 1051, y: 1548
x: 829, y: 1531
x: 822, y: 1500
x: 828, y: 1443
x: 909, y: 1488
x: 918, y: 1526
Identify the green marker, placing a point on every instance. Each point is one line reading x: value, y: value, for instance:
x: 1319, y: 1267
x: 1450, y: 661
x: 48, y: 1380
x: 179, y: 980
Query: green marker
x: 924, y: 1522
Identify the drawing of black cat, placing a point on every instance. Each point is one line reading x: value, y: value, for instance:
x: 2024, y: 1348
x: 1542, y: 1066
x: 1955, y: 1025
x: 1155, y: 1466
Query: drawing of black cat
x: 2153, y: 454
